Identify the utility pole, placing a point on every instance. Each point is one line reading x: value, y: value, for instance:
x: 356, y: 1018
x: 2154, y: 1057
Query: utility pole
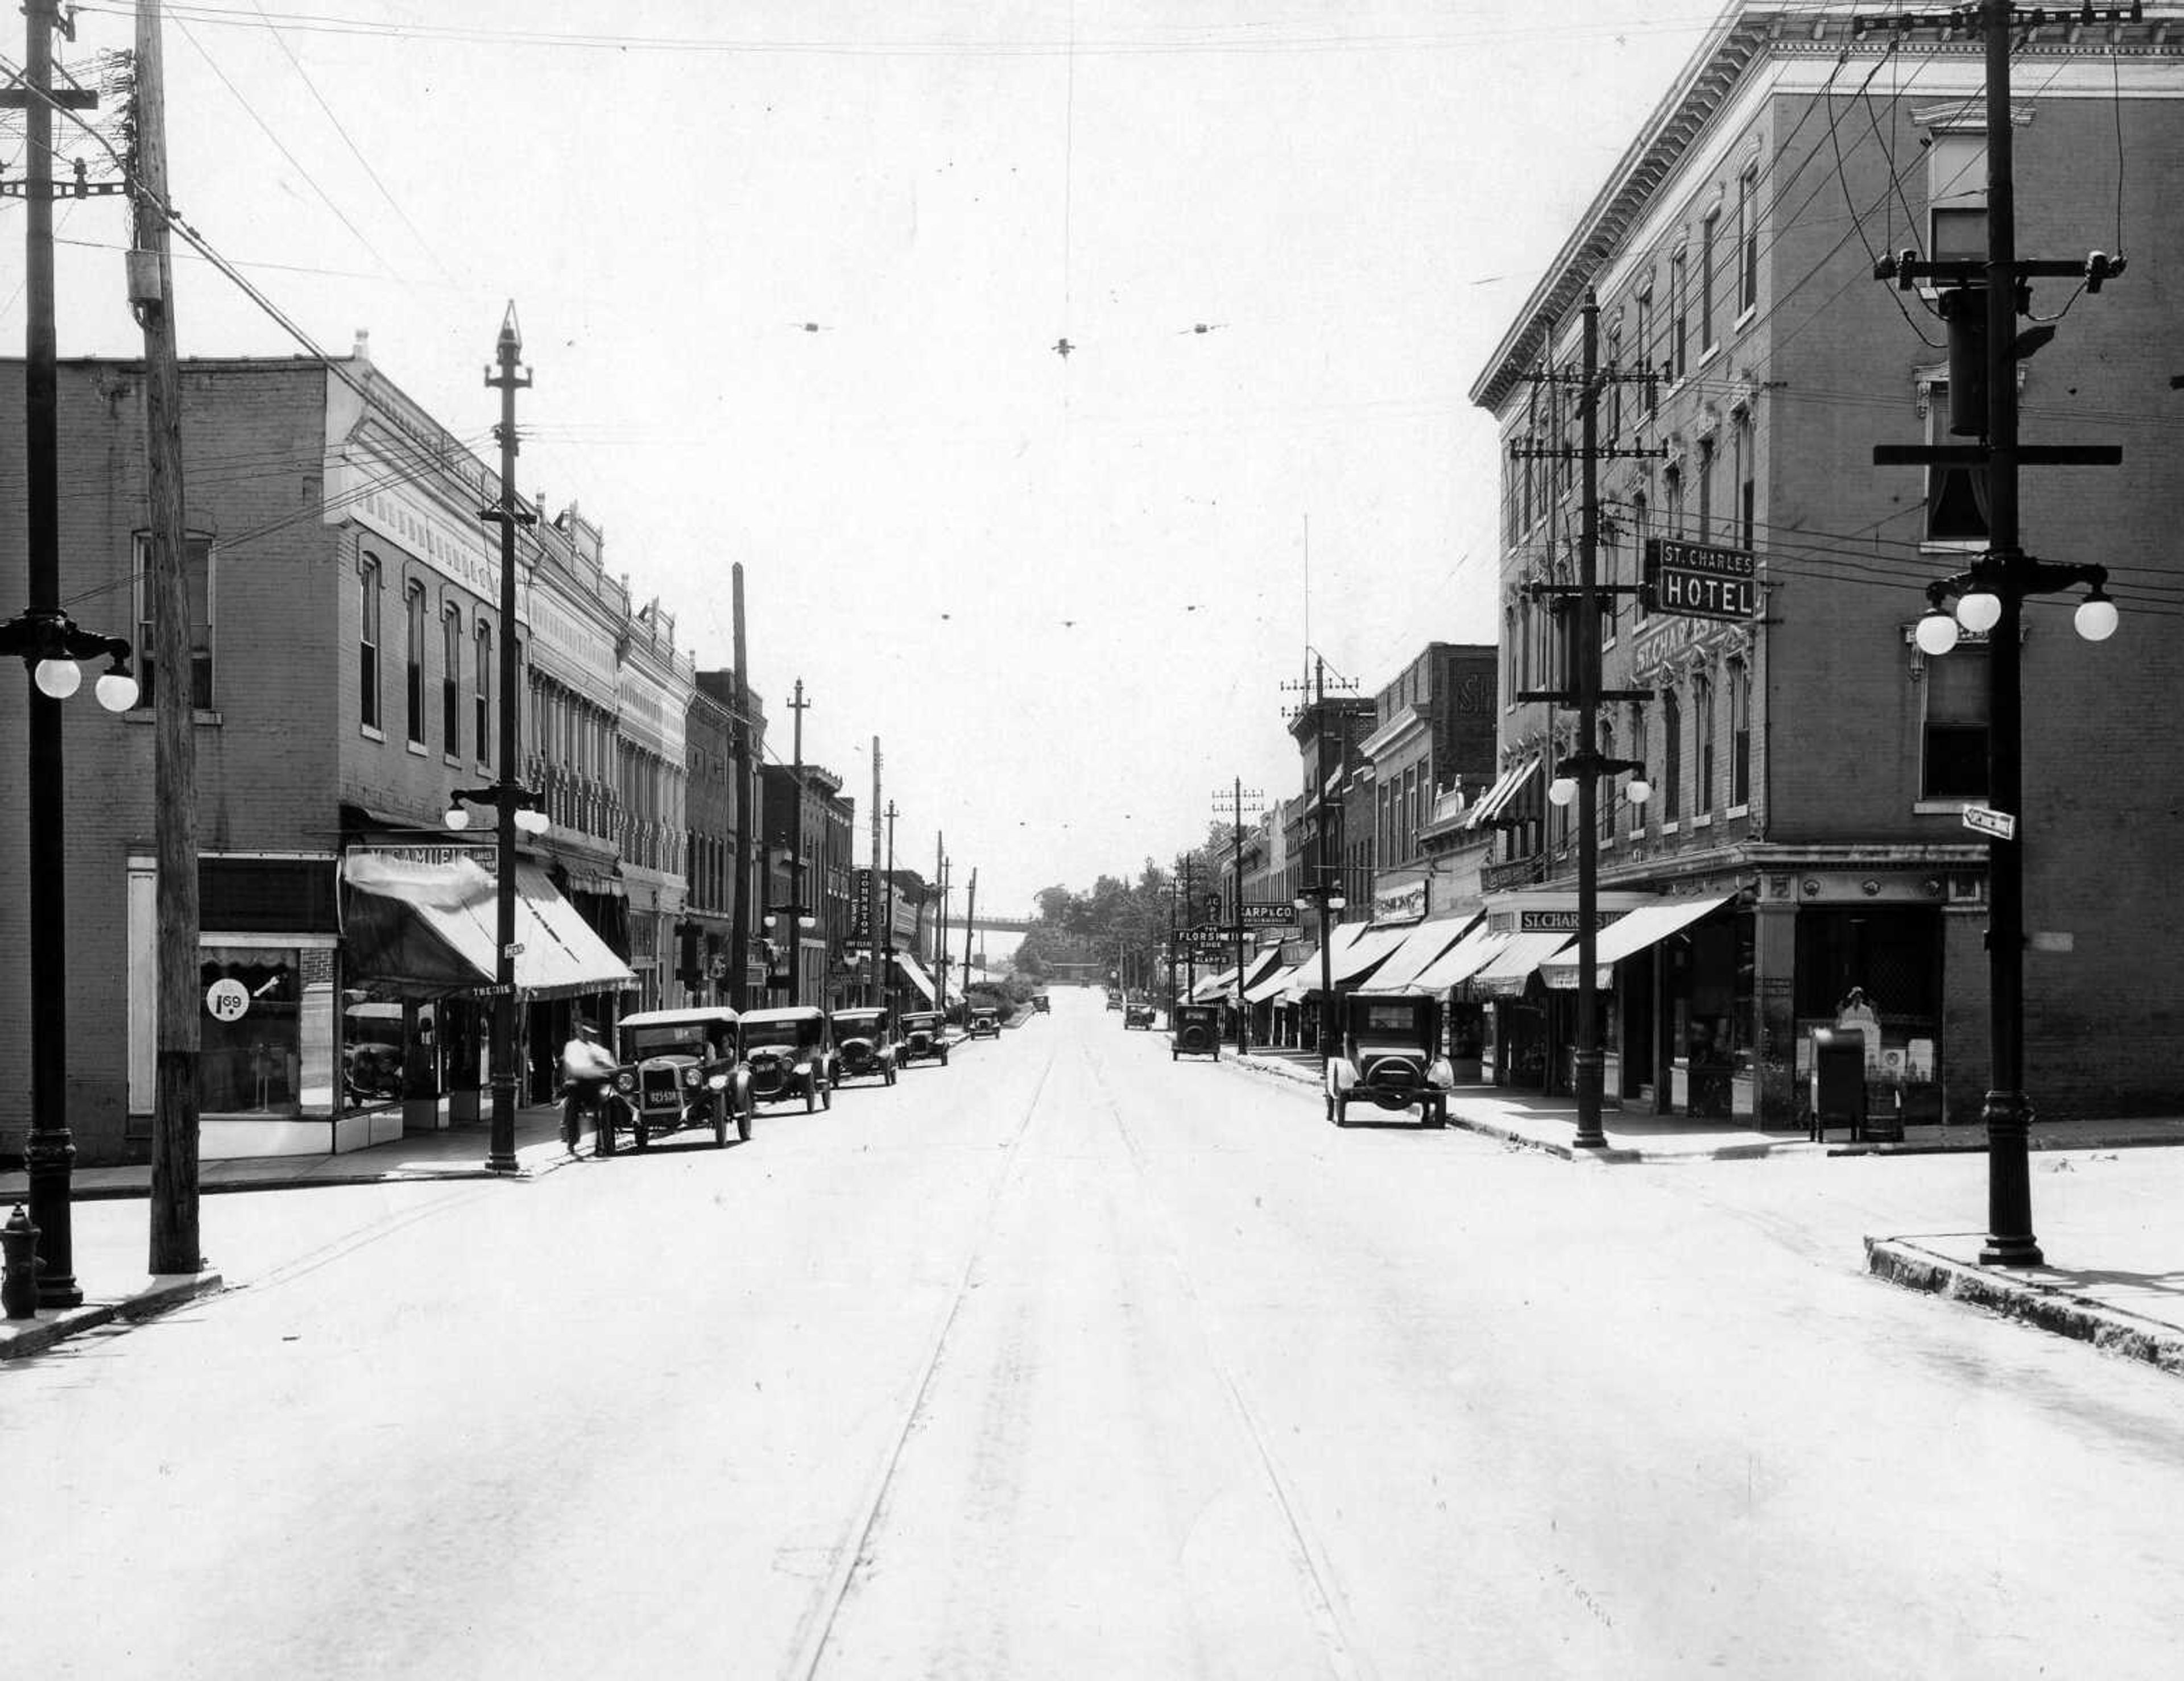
x: 940, y: 926
x: 174, y: 1194
x: 1325, y: 889
x: 891, y: 815
x: 1236, y: 927
x: 876, y: 991
x: 505, y: 377
x: 797, y: 912
x: 969, y: 926
x: 1576, y: 774
x: 1984, y: 305
x: 747, y: 811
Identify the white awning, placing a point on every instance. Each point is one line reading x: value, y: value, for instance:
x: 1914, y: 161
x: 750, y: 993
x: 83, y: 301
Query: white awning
x: 1508, y: 970
x: 1372, y: 946
x: 1629, y: 934
x: 915, y: 972
x: 1461, y: 961
x: 1501, y: 793
x: 1418, y: 951
x: 1275, y: 983
x: 1211, y: 986
x: 1260, y: 965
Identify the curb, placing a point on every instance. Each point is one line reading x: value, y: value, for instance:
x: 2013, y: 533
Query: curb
x: 1903, y: 1261
x: 20, y: 1338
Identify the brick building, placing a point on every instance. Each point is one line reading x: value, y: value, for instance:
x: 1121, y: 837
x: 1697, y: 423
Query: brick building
x: 346, y: 637
x: 1810, y: 767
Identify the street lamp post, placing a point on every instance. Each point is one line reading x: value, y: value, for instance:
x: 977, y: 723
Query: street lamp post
x: 1327, y: 897
x: 49, y: 643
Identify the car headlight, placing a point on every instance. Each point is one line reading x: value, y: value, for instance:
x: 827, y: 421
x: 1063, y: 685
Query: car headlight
x: 719, y: 1083
x: 625, y: 1081
x: 1441, y: 1074
x: 691, y: 1076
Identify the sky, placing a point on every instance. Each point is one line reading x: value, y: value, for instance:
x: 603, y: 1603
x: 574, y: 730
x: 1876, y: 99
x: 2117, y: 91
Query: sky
x: 1066, y: 592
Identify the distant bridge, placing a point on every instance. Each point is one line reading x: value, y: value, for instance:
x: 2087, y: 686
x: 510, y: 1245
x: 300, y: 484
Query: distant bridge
x: 998, y: 925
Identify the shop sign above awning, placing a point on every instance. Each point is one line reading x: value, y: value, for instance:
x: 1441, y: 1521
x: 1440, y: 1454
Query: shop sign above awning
x: 428, y: 926
x: 1631, y: 933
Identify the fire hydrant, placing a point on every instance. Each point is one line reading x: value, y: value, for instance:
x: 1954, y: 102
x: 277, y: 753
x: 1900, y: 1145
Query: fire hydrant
x: 18, y: 1286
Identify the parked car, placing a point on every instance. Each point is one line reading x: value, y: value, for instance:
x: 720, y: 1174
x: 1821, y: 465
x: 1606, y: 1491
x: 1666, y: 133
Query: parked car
x: 1138, y: 1014
x: 924, y: 1038
x: 677, y: 1068
x: 791, y: 1052
x: 1114, y: 997
x: 1196, y: 1031
x: 1388, y: 1055
x: 1041, y: 1003
x: 985, y: 1024
x: 865, y: 1045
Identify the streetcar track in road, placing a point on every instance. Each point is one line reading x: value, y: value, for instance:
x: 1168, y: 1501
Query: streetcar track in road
x: 1326, y: 1608
x: 850, y: 1556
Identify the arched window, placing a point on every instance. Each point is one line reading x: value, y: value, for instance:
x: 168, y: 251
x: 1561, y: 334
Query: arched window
x: 367, y: 641
x: 1739, y: 732
x: 1672, y: 756
x: 1702, y: 755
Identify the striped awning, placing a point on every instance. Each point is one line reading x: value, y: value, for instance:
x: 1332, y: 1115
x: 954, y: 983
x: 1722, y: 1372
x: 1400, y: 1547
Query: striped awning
x: 1417, y: 954
x: 1501, y: 793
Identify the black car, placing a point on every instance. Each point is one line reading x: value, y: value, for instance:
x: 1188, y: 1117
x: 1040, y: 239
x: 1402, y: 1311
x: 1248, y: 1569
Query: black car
x: 1042, y: 1003
x: 924, y: 1038
x: 1195, y: 1031
x: 1138, y: 1014
x: 679, y: 1068
x: 791, y: 1052
x: 864, y: 1043
x: 985, y: 1024
x: 1389, y: 1057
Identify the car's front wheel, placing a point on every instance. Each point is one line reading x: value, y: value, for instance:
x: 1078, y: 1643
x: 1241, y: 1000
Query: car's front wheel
x: 720, y: 1122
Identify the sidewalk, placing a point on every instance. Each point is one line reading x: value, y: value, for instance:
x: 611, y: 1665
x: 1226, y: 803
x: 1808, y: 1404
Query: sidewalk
x: 108, y: 1257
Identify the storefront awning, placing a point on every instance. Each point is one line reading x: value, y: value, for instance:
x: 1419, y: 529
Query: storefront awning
x: 1260, y: 965
x: 428, y: 927
x: 1507, y: 972
x: 1273, y: 983
x: 1211, y: 986
x: 1416, y: 955
x: 1372, y: 947
x: 914, y: 971
x: 1501, y: 794
x: 1629, y: 934
x: 1461, y: 961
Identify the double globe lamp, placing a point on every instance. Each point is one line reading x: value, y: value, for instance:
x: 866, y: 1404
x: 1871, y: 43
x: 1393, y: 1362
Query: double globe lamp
x: 528, y: 818
x: 1979, y: 610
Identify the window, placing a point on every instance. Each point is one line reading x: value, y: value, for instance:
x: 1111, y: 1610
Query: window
x: 413, y: 599
x: 1954, y: 760
x: 1614, y: 384
x: 1956, y: 496
x: 1646, y: 350
x: 367, y: 663
x: 1671, y: 757
x: 1748, y: 240
x: 1703, y: 755
x: 197, y: 581
x: 451, y: 679
x: 481, y: 692
x: 1638, y: 752
x: 1672, y: 494
x: 1708, y: 229
x: 1680, y: 316
x: 1746, y: 482
x: 1604, y: 817
x: 1705, y: 490
x: 1638, y: 538
x: 1739, y: 732
x: 1956, y: 196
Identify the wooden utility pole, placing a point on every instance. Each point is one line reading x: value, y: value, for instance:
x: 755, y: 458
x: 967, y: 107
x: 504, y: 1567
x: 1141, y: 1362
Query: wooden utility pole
x: 875, y: 992
x: 970, y: 929
x: 940, y: 924
x: 747, y: 812
x: 174, y: 1199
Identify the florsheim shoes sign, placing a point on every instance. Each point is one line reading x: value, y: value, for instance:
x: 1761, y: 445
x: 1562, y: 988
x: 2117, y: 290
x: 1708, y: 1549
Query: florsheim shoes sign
x: 1698, y: 580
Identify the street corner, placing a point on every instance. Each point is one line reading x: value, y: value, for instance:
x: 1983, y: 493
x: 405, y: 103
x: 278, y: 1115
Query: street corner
x: 2049, y: 1299
x: 163, y: 1292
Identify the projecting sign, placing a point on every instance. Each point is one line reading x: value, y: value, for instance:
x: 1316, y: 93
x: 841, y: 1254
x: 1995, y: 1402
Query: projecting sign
x: 1700, y: 581
x: 1268, y: 915
x: 1988, y: 821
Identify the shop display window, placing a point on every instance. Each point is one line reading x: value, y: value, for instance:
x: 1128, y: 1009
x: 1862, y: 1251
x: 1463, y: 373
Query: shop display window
x: 251, y: 1056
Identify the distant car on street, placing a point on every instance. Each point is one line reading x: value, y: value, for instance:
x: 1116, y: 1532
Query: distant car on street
x: 1196, y: 1031
x: 1138, y: 1016
x: 985, y: 1024
x: 924, y: 1038
x: 866, y: 1045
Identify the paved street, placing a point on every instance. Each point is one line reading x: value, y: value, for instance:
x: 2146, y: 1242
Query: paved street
x: 1073, y: 1360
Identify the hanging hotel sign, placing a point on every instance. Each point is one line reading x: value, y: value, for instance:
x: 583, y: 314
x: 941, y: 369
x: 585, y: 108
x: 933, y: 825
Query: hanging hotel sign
x: 1699, y: 580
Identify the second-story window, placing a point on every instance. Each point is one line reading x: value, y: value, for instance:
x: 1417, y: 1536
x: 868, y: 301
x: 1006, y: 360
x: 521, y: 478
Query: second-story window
x: 1671, y: 757
x: 1708, y: 229
x: 1680, y: 316
x: 1705, y: 490
x: 1739, y: 732
x: 481, y: 693
x: 451, y: 679
x: 413, y: 602
x: 197, y: 583
x: 367, y: 643
x: 1747, y: 239
x: 1703, y: 755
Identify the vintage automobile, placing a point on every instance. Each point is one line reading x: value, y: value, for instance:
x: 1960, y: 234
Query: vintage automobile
x: 924, y: 1038
x: 1196, y: 1031
x: 677, y: 1068
x: 1138, y: 1013
x: 1042, y: 1003
x: 865, y: 1045
x: 1114, y: 997
x: 791, y: 1051
x: 1390, y: 1057
x: 985, y: 1023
